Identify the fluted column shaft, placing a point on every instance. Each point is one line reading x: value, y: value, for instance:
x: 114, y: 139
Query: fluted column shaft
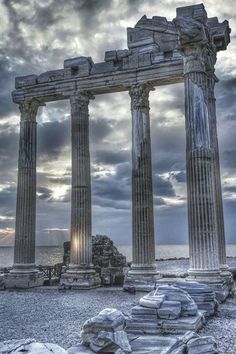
x: 203, y: 244
x: 142, y: 194
x: 81, y: 251
x: 24, y: 252
x: 218, y: 191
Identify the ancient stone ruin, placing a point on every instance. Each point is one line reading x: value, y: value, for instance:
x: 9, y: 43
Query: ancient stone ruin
x: 108, y: 262
x: 160, y: 52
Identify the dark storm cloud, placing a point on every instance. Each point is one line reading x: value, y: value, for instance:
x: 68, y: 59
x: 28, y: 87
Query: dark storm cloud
x: 52, y: 137
x: 8, y: 200
x: 44, y: 193
x: 99, y: 129
x: 180, y: 176
x: 231, y: 189
x: 108, y: 157
x: 7, y: 79
x: 162, y: 187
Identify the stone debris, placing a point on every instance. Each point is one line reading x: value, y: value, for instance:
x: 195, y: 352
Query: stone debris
x: 105, y: 333
x: 167, y: 310
x: 29, y: 346
x: 202, y: 294
x: 107, y: 260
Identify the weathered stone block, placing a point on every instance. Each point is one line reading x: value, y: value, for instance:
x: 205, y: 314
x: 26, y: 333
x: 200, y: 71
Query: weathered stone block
x: 144, y: 59
x: 111, y: 55
x: 202, y: 345
x: 51, y: 76
x: 22, y: 81
x: 103, y: 67
x: 29, y: 346
x: 23, y: 280
x: 169, y: 310
x: 139, y: 37
x: 123, y: 53
x: 105, y: 333
x: 80, y: 66
x: 152, y: 300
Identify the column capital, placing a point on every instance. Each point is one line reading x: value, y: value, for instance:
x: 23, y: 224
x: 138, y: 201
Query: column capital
x: 80, y: 99
x: 139, y: 94
x: 196, y: 45
x: 29, y: 110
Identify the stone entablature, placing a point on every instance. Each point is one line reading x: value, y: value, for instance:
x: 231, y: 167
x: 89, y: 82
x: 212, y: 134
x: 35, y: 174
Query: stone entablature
x: 153, y: 55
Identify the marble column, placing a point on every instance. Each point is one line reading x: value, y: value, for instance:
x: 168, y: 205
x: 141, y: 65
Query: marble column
x: 203, y: 228
x: 202, y: 156
x: 81, y: 273
x: 24, y: 273
x: 143, y: 273
x: 211, y: 80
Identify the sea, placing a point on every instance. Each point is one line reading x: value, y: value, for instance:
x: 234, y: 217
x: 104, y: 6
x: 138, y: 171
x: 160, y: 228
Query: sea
x: 51, y: 255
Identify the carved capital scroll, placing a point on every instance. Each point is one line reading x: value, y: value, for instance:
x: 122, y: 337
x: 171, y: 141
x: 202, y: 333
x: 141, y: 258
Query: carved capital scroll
x: 80, y: 100
x: 29, y: 110
x: 139, y: 94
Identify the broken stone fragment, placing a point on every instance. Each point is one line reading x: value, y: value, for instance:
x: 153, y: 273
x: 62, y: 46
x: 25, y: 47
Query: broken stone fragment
x: 152, y: 300
x: 169, y: 310
x: 29, y: 346
x: 188, y: 306
x: 105, y: 333
x: 202, y: 345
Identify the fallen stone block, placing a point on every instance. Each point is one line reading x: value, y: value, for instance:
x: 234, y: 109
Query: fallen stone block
x: 29, y: 346
x: 105, y: 333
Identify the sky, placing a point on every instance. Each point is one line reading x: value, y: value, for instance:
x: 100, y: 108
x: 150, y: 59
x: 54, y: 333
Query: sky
x: 37, y: 36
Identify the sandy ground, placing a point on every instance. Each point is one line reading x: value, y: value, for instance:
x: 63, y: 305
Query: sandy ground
x: 47, y: 314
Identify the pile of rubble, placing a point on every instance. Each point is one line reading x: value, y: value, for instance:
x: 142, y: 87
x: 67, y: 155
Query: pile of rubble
x: 107, y: 260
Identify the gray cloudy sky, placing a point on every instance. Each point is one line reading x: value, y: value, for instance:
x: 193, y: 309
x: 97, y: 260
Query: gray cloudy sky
x: 37, y: 36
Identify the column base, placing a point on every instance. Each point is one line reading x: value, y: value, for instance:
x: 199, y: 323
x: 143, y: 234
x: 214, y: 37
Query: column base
x: 23, y: 278
x: 213, y: 279
x: 80, y: 279
x: 141, y: 278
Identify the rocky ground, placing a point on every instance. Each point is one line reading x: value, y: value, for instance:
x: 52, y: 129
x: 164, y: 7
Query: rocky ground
x: 49, y: 315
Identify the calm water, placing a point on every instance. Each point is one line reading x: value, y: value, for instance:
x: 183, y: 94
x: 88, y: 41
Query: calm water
x: 51, y: 255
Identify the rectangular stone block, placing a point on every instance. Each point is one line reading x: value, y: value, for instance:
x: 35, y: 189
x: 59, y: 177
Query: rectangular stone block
x: 103, y: 67
x: 80, y: 66
x: 144, y: 60
x: 110, y: 55
x: 139, y: 37
x: 169, y: 310
x: 51, y: 76
x: 123, y: 53
x: 22, y: 81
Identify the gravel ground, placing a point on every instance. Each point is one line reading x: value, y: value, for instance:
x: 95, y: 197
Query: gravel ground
x: 49, y: 315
